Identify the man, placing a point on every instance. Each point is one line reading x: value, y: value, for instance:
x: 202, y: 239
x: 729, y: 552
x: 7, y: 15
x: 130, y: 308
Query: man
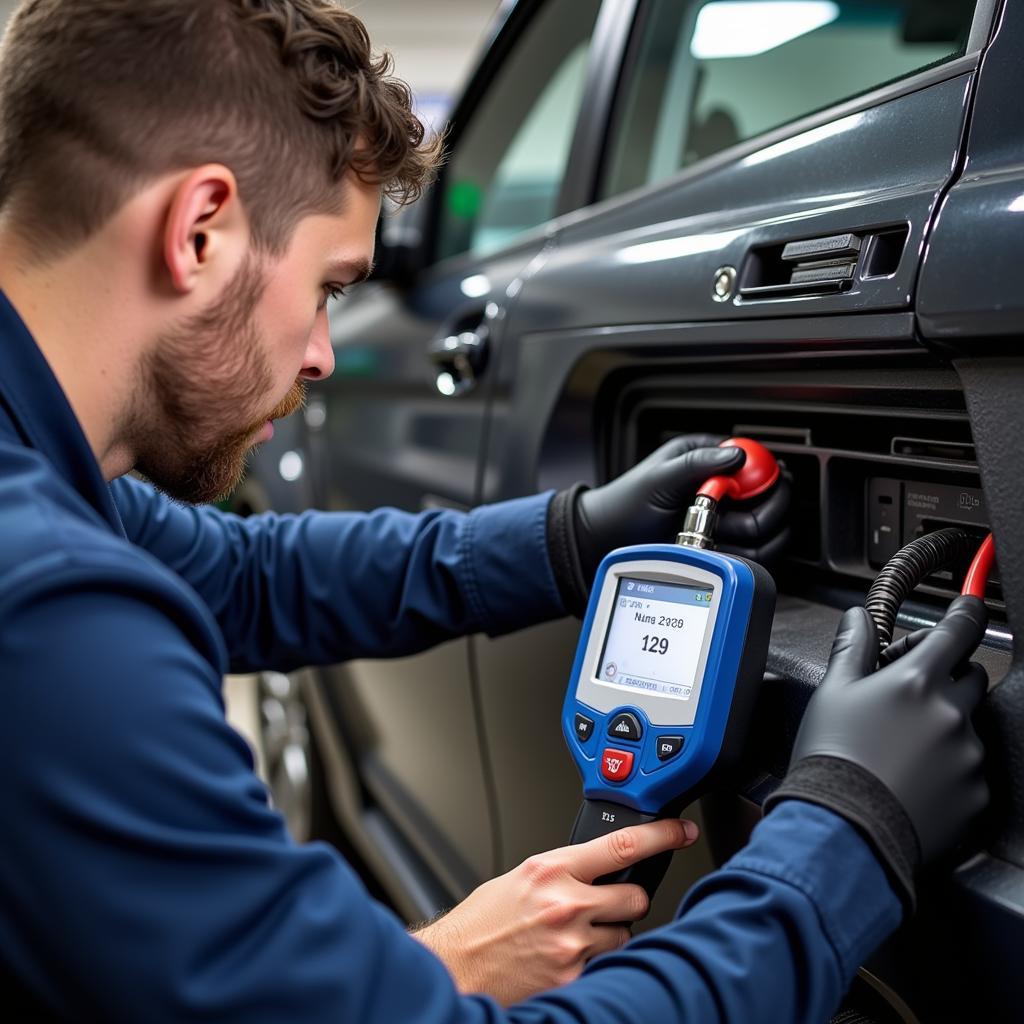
x: 183, y: 183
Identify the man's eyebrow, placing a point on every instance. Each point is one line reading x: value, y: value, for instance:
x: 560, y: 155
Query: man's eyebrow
x: 354, y: 271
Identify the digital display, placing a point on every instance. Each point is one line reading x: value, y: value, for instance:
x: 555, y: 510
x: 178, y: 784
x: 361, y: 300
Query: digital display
x: 655, y: 637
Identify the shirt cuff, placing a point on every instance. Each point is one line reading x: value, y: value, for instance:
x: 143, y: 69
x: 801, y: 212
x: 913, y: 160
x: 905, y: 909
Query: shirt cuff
x: 824, y: 857
x: 504, y: 565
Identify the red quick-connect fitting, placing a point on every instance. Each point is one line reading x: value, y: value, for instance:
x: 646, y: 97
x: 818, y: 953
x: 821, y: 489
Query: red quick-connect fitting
x: 758, y: 473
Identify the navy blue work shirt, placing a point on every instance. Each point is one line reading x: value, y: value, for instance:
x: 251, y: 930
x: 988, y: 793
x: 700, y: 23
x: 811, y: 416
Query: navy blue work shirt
x: 143, y: 876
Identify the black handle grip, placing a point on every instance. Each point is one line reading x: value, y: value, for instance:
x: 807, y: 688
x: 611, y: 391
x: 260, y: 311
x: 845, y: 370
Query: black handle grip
x: 599, y: 817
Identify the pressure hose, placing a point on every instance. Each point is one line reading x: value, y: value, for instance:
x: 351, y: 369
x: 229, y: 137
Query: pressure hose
x: 977, y: 576
x: 918, y: 560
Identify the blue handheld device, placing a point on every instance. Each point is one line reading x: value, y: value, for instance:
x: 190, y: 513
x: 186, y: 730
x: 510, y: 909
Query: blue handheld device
x: 667, y: 669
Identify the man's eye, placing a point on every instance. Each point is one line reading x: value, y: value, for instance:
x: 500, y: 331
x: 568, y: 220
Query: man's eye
x: 330, y: 291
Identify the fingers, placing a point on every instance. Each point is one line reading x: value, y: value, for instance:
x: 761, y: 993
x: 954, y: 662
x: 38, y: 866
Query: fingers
x: 676, y: 480
x: 683, y: 444
x: 617, y: 850
x: 615, y: 904
x: 766, y: 554
x: 768, y: 516
x: 954, y: 639
x: 606, y: 939
x: 904, y: 645
x: 854, y: 650
x: 968, y: 690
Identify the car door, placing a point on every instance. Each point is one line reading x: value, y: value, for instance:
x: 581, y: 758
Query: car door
x: 402, y: 424
x: 764, y: 194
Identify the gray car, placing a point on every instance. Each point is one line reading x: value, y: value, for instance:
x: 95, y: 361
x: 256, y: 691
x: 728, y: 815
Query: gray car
x: 799, y: 222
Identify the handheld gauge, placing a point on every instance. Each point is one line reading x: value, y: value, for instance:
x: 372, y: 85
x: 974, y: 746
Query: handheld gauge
x: 667, y: 668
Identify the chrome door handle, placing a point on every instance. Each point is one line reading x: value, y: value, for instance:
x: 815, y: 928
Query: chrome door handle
x: 459, y: 359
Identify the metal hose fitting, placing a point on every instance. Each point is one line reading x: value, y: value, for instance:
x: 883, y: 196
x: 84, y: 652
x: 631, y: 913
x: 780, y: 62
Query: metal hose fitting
x: 699, y: 524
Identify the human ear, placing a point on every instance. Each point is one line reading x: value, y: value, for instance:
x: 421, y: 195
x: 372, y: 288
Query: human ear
x: 206, y: 235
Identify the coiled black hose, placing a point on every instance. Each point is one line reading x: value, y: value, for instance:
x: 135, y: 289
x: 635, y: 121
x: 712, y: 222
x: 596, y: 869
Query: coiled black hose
x: 906, y: 569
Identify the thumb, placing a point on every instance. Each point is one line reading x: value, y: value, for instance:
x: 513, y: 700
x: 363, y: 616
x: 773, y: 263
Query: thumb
x: 854, y: 650
x: 675, y: 482
x: 954, y: 638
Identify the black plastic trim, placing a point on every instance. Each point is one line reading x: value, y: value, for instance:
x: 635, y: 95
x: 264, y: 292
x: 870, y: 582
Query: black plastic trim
x: 607, y: 51
x: 984, y: 24
x: 442, y: 859
x: 511, y: 27
x: 418, y: 884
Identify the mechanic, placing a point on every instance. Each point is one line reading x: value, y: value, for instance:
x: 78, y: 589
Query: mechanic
x: 183, y: 183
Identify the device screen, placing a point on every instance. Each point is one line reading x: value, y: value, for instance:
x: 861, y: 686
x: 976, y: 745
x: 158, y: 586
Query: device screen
x: 655, y: 637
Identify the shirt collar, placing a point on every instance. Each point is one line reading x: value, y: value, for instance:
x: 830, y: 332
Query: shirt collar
x: 43, y: 417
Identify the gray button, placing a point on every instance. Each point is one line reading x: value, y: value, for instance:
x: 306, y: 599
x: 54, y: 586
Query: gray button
x: 584, y: 727
x: 625, y: 727
x: 668, y: 746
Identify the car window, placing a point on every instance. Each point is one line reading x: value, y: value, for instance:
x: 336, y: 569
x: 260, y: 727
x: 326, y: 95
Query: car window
x: 706, y: 75
x: 506, y: 172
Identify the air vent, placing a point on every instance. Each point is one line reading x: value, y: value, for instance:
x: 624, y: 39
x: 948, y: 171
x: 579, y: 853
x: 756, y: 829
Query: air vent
x: 924, y: 448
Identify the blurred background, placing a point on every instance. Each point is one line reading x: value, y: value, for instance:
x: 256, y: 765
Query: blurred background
x: 433, y: 44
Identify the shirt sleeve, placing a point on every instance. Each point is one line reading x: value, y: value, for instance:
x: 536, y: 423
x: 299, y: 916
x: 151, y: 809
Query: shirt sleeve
x: 776, y: 935
x: 148, y: 879
x: 323, y: 587
x: 144, y: 876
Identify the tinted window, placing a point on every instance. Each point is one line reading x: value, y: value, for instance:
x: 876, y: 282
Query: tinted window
x: 705, y: 76
x: 506, y: 172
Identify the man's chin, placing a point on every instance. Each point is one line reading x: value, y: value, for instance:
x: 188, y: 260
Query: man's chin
x: 203, y: 481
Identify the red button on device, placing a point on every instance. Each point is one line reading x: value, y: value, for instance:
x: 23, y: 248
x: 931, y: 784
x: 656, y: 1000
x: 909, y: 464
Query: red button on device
x: 616, y: 764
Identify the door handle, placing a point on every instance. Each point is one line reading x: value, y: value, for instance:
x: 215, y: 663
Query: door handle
x: 459, y: 359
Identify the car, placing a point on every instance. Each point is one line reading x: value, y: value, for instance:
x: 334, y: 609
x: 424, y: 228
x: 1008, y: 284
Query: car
x: 799, y: 222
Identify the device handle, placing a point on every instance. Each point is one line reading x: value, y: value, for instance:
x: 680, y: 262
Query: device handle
x: 597, y: 818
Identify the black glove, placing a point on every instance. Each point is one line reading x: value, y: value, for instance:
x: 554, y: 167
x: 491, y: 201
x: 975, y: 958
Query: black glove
x: 894, y: 751
x: 646, y: 505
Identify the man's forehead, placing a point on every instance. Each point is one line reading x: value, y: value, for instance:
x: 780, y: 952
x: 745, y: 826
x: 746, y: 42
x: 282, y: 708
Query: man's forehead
x: 342, y: 243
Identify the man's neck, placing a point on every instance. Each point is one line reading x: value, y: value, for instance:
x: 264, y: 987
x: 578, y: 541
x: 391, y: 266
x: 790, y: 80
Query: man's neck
x: 73, y: 313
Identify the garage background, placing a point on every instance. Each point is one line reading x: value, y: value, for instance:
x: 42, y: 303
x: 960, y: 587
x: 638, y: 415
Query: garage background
x: 433, y: 44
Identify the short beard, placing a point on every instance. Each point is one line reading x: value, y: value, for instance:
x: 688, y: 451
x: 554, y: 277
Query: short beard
x: 198, y: 413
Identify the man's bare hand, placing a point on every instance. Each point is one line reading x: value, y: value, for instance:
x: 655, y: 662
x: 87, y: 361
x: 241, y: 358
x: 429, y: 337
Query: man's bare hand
x: 536, y: 927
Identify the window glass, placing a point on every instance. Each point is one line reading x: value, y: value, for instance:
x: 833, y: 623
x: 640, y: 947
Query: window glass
x: 507, y: 169
x: 707, y: 75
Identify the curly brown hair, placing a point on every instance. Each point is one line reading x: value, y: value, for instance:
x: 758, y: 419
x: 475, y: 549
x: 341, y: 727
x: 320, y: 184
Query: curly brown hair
x: 99, y: 97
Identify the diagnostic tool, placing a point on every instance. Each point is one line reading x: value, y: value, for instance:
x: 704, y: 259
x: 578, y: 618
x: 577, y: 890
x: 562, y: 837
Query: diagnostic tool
x: 667, y: 669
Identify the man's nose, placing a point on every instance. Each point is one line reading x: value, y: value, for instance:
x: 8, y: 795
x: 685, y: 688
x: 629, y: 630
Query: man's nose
x: 319, y: 360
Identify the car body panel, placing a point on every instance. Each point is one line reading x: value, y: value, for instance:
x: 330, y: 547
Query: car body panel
x: 965, y: 290
x: 653, y: 259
